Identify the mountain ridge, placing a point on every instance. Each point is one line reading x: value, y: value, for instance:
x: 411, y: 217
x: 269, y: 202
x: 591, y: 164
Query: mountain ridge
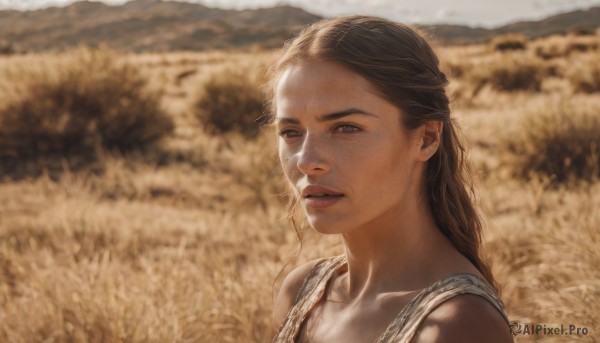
x: 155, y: 25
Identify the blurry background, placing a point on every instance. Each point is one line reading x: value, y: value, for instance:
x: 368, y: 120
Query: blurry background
x: 467, y: 12
x: 141, y: 202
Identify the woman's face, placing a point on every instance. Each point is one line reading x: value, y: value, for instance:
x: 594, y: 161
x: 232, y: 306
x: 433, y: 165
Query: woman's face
x: 343, y: 148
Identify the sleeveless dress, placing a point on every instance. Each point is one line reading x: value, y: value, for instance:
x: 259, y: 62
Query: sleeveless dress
x: 403, y: 328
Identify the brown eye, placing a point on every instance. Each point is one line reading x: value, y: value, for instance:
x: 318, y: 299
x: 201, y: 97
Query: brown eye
x: 346, y: 128
x: 288, y: 133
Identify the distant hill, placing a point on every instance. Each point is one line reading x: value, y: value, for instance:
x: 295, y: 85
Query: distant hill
x: 150, y: 25
x: 155, y: 25
x: 581, y: 20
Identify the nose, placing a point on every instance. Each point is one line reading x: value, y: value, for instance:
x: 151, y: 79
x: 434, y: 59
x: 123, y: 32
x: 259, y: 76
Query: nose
x: 312, y: 158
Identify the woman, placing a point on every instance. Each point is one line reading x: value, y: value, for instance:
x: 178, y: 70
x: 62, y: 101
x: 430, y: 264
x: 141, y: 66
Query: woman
x: 368, y: 146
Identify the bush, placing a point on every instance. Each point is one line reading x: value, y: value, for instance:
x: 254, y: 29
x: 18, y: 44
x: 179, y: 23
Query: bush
x: 585, y: 75
x: 89, y: 99
x: 551, y: 50
x: 232, y: 101
x: 6, y: 48
x: 508, y: 42
x: 559, y: 140
x: 581, y: 46
x: 582, y: 31
x: 509, y: 74
x: 564, y: 47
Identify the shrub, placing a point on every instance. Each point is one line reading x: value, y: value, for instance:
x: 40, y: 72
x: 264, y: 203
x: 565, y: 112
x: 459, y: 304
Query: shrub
x: 508, y: 42
x: 585, y: 75
x: 6, y: 48
x: 509, y: 73
x: 232, y: 101
x: 85, y: 100
x: 559, y: 140
x: 581, y: 46
x: 565, y: 46
x: 551, y: 50
x: 555, y: 68
x: 582, y: 31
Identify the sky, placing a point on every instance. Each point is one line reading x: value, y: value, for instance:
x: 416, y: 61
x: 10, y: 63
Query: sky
x: 484, y: 13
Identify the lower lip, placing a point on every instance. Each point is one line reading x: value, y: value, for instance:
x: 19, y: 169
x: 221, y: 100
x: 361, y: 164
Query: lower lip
x: 322, y: 202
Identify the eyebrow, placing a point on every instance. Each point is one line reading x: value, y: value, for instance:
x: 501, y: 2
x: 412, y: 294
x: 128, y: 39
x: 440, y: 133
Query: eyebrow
x: 328, y: 117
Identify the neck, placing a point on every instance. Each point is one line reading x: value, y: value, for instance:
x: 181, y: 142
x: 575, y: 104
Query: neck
x: 402, y: 250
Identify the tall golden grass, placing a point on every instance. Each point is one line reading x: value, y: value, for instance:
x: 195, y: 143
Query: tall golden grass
x: 189, y: 242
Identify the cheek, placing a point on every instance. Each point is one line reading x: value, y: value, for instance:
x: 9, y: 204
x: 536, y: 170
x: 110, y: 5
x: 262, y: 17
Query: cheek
x: 383, y: 170
x: 288, y: 165
x: 287, y: 162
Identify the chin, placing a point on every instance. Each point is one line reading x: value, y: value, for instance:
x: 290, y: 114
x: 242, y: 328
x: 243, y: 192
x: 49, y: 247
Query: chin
x: 326, y: 227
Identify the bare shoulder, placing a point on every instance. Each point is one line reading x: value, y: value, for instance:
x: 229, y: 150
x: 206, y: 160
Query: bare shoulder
x: 289, y: 291
x: 464, y: 318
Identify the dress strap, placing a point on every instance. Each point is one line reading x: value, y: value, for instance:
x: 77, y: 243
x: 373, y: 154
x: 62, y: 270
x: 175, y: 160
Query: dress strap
x: 404, y: 327
x: 310, y: 293
x: 406, y: 324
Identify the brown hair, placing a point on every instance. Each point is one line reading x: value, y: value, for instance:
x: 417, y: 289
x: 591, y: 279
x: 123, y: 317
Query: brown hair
x: 403, y: 67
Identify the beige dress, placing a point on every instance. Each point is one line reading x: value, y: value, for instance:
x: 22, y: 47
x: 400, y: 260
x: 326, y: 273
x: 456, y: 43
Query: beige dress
x: 403, y: 328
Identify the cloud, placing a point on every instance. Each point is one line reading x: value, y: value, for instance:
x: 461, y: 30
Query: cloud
x: 444, y: 13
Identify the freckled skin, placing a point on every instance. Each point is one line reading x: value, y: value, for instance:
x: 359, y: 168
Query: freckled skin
x: 374, y: 167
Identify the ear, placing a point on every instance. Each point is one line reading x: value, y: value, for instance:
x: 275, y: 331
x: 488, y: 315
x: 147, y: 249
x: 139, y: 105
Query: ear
x: 430, y: 137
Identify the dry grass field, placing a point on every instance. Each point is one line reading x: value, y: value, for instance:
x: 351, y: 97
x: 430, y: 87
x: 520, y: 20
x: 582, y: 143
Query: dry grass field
x: 186, y: 239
